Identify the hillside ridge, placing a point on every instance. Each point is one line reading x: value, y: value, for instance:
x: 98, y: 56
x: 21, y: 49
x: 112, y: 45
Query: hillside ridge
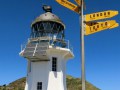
x: 72, y: 84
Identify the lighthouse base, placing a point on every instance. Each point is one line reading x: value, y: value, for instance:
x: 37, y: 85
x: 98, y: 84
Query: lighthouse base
x: 51, y: 74
x: 42, y: 73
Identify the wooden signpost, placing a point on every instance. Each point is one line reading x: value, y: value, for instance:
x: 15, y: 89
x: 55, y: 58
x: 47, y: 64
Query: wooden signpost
x: 89, y: 25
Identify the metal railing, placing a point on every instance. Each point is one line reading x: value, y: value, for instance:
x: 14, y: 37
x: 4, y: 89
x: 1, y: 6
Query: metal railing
x: 55, y: 43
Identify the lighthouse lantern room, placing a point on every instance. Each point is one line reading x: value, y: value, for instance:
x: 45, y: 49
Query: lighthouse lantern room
x: 47, y: 52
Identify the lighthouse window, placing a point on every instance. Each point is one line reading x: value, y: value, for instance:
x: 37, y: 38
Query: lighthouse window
x: 54, y: 64
x: 39, y: 86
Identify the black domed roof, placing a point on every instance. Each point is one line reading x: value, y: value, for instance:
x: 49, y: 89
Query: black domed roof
x: 48, y: 16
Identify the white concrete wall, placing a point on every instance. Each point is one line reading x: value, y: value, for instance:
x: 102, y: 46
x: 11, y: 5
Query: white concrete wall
x: 42, y: 72
x: 56, y: 79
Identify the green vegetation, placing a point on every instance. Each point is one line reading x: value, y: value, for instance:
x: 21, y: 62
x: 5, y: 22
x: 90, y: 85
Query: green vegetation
x: 75, y: 84
x: 72, y: 84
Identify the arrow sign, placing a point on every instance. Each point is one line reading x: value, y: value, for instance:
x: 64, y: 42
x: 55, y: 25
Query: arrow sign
x: 78, y: 2
x: 100, y: 15
x: 93, y: 27
x: 69, y: 5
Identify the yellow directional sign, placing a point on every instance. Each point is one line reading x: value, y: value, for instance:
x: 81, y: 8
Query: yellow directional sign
x: 114, y: 26
x: 78, y: 2
x: 93, y: 27
x: 68, y: 5
x: 100, y: 15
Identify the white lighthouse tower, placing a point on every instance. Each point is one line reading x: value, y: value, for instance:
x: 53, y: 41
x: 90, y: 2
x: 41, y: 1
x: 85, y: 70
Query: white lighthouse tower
x: 47, y: 52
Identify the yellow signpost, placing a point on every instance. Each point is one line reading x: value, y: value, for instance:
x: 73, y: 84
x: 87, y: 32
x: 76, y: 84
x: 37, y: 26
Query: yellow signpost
x: 114, y: 26
x: 93, y: 27
x: 100, y: 15
x: 90, y: 27
x: 78, y: 2
x: 69, y: 5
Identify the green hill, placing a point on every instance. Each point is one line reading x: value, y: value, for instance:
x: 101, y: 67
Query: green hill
x: 75, y: 84
x: 72, y: 84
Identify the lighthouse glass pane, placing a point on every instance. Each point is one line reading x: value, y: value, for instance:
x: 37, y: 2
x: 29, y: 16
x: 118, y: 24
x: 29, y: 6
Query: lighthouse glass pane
x: 54, y: 64
x: 39, y: 86
x: 46, y: 28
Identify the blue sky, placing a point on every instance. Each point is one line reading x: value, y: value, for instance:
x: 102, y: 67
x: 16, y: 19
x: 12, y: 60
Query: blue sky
x: 102, y: 50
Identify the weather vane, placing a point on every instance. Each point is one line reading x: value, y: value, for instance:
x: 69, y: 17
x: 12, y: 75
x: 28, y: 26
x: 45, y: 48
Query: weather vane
x: 47, y: 8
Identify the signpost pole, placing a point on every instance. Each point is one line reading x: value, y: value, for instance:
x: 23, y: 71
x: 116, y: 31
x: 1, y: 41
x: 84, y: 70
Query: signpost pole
x: 79, y: 10
x: 82, y: 44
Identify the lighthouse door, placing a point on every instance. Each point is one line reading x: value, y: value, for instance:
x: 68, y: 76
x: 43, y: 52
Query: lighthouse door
x: 39, y: 86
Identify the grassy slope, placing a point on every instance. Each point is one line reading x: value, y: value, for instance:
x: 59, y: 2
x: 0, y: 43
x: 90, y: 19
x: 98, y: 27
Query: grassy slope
x: 72, y: 84
x: 75, y: 84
